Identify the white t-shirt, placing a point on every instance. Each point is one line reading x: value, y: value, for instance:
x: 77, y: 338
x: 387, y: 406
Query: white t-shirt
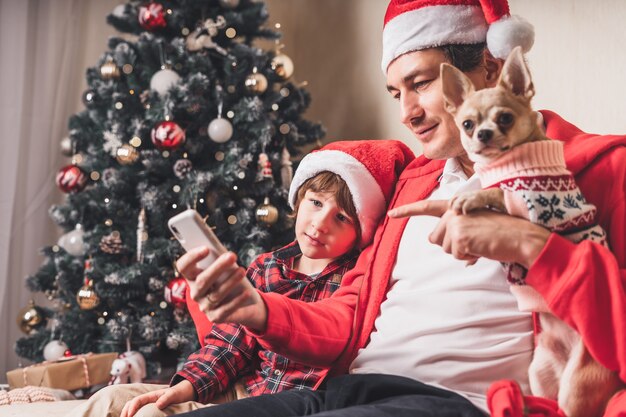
x: 447, y: 324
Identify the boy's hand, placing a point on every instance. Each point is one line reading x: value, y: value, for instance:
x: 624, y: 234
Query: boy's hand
x: 179, y: 393
x: 483, y: 233
x: 222, y: 290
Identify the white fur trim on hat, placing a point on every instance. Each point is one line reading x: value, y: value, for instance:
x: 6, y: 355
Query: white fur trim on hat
x: 507, y: 33
x: 432, y: 26
x: 369, y: 200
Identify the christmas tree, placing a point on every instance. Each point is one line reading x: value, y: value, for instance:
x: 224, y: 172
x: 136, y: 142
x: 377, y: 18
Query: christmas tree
x: 184, y: 111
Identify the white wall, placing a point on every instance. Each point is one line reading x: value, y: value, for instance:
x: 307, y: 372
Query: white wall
x: 579, y: 60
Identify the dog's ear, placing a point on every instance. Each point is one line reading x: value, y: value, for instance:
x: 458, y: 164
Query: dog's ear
x: 516, y: 75
x: 456, y: 87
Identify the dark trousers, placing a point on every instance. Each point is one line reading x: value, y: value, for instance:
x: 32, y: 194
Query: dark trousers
x: 357, y: 395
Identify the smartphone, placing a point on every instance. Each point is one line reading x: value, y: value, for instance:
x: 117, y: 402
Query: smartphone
x: 192, y: 232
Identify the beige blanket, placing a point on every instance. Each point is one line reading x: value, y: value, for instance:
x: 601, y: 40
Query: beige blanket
x: 41, y: 409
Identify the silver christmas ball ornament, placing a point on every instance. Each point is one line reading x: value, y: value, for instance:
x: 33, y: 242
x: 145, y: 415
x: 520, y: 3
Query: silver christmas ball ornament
x: 54, y: 350
x: 220, y: 130
x: 72, y: 241
x: 163, y: 80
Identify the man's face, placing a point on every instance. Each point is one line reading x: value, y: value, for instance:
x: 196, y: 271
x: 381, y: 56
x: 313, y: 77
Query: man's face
x: 413, y: 79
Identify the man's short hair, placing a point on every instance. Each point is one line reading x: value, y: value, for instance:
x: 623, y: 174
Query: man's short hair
x: 464, y: 57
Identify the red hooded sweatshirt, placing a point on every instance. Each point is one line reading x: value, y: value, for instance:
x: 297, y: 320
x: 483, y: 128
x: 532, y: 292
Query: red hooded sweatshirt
x: 583, y: 284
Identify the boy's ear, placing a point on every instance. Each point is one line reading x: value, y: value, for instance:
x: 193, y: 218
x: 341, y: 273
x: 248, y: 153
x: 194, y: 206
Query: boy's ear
x: 516, y: 76
x: 456, y: 87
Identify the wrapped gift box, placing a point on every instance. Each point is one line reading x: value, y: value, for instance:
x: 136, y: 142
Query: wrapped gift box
x: 81, y: 371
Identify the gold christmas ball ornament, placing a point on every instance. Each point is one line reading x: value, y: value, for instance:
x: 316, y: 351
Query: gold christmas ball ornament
x: 110, y: 71
x: 126, y: 154
x: 266, y: 212
x: 30, y: 317
x: 229, y: 4
x: 256, y: 83
x: 86, y: 297
x: 282, y: 66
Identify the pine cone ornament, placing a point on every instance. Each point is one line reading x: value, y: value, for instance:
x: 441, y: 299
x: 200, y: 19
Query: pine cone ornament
x: 182, y: 167
x: 112, y: 244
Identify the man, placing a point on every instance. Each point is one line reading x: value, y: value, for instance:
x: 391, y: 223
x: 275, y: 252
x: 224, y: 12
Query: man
x: 420, y: 333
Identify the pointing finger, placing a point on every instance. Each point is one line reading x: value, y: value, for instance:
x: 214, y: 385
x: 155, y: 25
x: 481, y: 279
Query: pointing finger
x: 420, y: 208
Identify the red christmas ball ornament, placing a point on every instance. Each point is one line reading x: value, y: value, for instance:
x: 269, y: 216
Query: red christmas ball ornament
x: 167, y: 135
x: 152, y: 16
x: 175, y: 292
x: 71, y: 179
x: 67, y: 353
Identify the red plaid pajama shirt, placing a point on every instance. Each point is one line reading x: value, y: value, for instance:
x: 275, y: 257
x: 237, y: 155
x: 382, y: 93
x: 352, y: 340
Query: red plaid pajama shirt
x: 230, y: 354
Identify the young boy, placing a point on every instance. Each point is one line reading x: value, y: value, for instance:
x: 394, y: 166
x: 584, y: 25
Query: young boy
x: 339, y: 193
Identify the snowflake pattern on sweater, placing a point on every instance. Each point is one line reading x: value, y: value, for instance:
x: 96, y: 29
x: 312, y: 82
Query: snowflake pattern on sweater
x: 537, y: 186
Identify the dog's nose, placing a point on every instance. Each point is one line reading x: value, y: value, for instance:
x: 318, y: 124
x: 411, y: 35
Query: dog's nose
x: 484, y: 135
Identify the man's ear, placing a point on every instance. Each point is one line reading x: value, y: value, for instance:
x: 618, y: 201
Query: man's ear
x: 493, y: 68
x: 456, y: 87
x: 516, y: 75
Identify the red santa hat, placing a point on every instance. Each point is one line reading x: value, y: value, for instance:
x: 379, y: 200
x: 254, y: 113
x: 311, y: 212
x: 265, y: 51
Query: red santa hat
x: 413, y: 25
x: 370, y: 168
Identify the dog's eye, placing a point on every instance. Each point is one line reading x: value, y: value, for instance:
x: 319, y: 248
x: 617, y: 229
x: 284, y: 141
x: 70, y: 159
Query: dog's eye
x: 468, y: 125
x: 505, y: 119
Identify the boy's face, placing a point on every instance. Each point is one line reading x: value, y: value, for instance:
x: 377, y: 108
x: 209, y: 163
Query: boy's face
x: 323, y: 229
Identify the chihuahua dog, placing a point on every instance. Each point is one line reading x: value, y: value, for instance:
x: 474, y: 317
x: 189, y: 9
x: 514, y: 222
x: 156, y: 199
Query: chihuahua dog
x: 523, y: 173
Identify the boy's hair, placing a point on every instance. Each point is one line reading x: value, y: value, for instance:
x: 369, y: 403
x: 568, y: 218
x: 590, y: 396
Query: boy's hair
x: 329, y: 182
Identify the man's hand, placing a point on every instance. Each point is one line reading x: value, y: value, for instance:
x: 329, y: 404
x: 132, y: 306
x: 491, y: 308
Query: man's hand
x: 222, y: 290
x: 435, y: 208
x: 179, y: 393
x: 483, y: 233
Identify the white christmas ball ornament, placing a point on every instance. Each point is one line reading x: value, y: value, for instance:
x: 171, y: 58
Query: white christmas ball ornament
x: 220, y: 130
x: 54, y: 350
x: 72, y: 241
x: 163, y: 80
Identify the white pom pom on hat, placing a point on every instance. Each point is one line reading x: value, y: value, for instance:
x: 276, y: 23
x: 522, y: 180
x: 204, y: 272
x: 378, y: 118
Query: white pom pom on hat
x: 370, y: 169
x: 507, y: 33
x: 413, y: 25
